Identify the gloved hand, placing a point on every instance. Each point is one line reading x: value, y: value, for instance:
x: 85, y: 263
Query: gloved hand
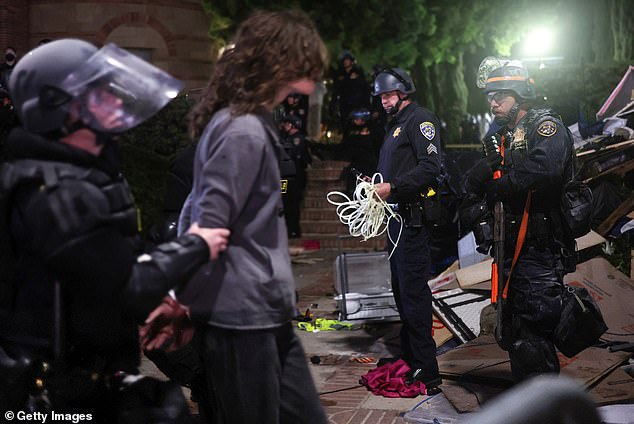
x: 492, y: 151
x: 478, y: 177
x: 167, y: 327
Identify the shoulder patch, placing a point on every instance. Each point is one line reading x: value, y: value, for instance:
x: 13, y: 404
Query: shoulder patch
x: 547, y: 128
x: 428, y: 130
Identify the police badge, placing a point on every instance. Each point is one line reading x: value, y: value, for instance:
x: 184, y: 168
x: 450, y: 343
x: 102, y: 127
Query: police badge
x: 547, y: 129
x: 519, y: 139
x: 428, y: 130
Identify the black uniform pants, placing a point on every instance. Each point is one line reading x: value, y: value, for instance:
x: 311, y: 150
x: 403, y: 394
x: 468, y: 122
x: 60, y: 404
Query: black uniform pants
x: 292, y: 200
x: 410, y: 266
x: 533, y: 311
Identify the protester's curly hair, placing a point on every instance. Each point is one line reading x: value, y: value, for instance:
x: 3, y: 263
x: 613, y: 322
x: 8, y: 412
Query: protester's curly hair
x: 270, y: 49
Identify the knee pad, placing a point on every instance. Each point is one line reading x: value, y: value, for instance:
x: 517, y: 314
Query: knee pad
x: 530, y: 357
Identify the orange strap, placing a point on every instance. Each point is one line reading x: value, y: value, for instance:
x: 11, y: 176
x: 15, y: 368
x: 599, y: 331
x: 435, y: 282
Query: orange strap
x: 520, y: 241
x: 494, y: 267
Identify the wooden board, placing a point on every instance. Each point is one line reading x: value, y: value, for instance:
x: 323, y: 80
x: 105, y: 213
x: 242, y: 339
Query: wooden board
x: 617, y: 387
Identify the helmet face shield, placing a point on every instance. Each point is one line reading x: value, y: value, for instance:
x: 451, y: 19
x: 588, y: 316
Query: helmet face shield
x: 119, y: 90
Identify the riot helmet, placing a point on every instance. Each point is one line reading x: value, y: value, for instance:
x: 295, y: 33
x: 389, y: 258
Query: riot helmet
x: 361, y: 114
x: 503, y: 75
x: 393, y: 79
x: 511, y: 78
x: 294, y: 120
x: 346, y: 54
x: 497, y: 74
x: 51, y: 77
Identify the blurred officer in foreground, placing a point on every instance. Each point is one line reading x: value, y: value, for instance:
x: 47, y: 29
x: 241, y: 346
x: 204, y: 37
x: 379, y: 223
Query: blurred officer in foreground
x: 74, y: 287
x: 409, y: 162
x: 538, y: 155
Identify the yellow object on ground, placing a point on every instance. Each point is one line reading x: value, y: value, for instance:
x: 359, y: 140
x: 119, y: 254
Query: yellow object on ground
x: 323, y: 324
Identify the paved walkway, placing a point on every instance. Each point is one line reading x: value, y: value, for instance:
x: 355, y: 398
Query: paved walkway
x: 337, y: 372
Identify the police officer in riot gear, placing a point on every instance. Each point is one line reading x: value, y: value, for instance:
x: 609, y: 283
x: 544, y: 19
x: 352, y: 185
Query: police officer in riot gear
x: 360, y: 145
x: 350, y: 89
x: 74, y: 286
x: 538, y: 155
x: 409, y: 162
x: 296, y: 147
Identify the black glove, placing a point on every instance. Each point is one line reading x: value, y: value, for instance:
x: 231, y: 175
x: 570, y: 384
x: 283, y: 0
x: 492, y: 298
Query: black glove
x: 492, y: 151
x: 478, y: 177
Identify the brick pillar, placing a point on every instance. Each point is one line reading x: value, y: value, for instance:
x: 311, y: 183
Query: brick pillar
x: 14, y: 26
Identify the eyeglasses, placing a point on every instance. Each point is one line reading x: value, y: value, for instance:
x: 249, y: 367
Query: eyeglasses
x: 498, y: 96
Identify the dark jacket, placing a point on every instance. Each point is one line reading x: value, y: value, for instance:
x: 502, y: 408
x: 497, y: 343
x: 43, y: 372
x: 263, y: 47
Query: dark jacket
x: 70, y: 218
x: 410, y: 155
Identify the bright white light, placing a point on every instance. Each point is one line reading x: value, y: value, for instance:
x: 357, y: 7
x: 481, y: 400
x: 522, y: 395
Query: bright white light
x: 171, y: 93
x: 538, y: 42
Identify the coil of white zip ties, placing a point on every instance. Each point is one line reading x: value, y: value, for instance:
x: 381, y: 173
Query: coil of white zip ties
x: 366, y: 215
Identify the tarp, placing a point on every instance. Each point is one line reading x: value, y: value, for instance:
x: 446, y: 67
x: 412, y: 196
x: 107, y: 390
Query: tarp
x: 620, y: 97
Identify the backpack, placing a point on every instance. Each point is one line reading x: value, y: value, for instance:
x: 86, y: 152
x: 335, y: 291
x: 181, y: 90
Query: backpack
x: 576, y: 205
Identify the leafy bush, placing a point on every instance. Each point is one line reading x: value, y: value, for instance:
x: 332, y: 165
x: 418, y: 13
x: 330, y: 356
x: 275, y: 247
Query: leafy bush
x: 147, y: 151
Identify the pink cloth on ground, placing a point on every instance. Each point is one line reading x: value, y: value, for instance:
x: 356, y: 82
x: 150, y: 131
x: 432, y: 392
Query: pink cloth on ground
x: 389, y: 381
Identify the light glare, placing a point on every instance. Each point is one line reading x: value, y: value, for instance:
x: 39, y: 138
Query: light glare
x: 538, y: 42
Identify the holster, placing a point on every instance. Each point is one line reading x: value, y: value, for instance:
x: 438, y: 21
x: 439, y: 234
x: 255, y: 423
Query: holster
x: 412, y: 214
x: 427, y: 210
x: 432, y: 209
x: 483, y: 233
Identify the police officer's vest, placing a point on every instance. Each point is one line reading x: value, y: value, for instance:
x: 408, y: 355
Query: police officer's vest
x: 47, y: 175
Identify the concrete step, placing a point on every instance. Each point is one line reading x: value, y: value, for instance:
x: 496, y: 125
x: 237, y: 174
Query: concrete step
x: 343, y: 242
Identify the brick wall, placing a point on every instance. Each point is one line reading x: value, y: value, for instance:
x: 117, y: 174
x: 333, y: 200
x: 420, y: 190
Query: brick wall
x: 175, y: 31
x: 14, y: 26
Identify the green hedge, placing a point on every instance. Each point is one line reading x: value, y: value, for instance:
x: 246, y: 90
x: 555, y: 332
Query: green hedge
x: 147, y: 151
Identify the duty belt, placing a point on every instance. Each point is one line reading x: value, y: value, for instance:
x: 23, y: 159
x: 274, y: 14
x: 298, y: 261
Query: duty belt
x: 539, y: 233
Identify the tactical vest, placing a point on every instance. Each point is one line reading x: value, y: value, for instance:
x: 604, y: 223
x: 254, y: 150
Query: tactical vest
x: 48, y: 175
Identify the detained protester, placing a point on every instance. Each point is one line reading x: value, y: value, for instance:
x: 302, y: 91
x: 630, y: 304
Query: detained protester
x: 537, y: 159
x: 74, y: 286
x: 409, y: 162
x: 242, y: 304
